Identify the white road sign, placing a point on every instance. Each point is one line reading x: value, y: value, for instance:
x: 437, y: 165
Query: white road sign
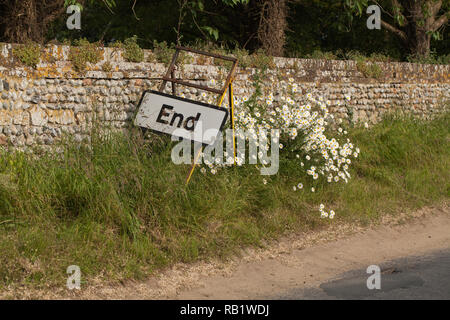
x: 180, y: 117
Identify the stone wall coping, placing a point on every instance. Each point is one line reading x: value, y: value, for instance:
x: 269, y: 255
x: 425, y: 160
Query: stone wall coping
x: 55, y: 63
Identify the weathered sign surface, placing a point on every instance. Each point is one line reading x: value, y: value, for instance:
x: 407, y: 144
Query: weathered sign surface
x: 180, y: 117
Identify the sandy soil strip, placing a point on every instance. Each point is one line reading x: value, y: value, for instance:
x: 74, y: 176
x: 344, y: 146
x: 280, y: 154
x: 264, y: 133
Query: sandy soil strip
x: 303, y: 260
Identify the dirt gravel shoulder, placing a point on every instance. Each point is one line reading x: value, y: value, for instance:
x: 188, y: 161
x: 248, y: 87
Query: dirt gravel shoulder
x: 304, y: 260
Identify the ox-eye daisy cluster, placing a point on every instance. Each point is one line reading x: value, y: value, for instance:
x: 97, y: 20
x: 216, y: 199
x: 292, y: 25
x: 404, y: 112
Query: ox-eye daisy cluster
x: 305, y: 132
x: 304, y: 124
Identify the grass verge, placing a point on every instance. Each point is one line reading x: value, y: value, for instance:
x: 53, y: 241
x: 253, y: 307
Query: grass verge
x: 119, y: 208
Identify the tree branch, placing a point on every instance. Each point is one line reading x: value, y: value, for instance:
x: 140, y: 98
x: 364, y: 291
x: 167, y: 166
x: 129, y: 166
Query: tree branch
x: 394, y: 30
x: 440, y: 21
x: 385, y: 11
x: 134, y: 12
x: 436, y: 7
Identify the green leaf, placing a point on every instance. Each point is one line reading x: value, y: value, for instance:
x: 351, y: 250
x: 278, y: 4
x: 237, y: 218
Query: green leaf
x: 212, y: 32
x: 200, y: 5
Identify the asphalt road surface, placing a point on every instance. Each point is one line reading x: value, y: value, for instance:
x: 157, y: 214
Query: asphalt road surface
x: 418, y: 278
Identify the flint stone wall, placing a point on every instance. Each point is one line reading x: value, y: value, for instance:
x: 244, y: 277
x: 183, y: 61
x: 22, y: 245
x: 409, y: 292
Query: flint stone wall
x: 38, y: 105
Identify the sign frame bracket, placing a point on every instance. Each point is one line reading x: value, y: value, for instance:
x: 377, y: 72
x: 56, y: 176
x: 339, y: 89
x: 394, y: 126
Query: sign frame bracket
x: 228, y: 86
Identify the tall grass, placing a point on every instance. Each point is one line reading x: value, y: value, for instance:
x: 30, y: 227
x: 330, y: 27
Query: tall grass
x: 118, y: 208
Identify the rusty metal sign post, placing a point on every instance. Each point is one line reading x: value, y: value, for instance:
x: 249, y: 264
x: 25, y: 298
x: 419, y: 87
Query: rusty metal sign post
x: 170, y: 76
